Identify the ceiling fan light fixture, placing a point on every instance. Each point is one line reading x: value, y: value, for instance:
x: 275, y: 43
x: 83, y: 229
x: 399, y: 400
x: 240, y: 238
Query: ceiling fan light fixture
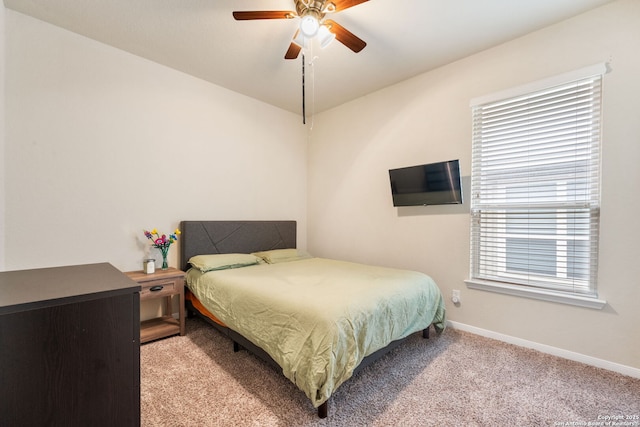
x: 309, y: 26
x: 301, y: 40
x: 325, y: 36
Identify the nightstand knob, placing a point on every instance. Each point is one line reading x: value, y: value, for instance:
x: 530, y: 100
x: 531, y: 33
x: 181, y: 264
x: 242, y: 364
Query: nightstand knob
x: 156, y: 288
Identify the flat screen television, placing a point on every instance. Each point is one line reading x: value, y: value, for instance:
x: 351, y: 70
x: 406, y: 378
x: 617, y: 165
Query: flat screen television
x: 430, y: 184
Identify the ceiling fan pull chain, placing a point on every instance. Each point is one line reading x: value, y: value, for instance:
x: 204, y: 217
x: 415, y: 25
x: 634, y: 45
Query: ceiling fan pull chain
x: 304, y: 116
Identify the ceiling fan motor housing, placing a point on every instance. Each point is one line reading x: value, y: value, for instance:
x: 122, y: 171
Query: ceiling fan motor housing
x: 313, y: 8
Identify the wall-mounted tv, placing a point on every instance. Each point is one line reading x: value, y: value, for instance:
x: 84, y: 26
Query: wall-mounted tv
x: 431, y: 184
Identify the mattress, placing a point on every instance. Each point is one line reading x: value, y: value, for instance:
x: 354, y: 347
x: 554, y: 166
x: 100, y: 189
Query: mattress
x: 318, y: 318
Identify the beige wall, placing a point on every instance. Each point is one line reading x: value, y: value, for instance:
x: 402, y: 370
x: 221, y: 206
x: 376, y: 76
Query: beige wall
x: 427, y: 119
x: 2, y: 132
x: 101, y: 144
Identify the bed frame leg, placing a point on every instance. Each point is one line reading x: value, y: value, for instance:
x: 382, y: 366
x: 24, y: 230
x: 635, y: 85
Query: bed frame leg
x: 323, y: 410
x: 425, y: 332
x: 236, y: 347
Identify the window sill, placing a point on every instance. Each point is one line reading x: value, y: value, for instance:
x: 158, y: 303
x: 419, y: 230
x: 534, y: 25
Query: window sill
x: 539, y: 294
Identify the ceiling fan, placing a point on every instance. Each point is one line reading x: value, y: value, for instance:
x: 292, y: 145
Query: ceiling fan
x: 312, y: 23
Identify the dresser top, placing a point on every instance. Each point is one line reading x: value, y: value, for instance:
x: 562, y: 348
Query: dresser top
x: 45, y: 287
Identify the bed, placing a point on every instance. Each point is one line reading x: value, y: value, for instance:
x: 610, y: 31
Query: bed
x: 318, y: 321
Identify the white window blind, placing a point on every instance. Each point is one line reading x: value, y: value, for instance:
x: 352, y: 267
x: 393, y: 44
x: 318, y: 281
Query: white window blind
x: 535, y: 188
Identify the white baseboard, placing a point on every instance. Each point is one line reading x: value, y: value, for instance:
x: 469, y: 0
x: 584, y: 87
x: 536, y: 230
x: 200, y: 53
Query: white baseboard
x: 576, y: 357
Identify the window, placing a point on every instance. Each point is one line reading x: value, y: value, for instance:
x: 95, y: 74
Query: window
x: 535, y: 197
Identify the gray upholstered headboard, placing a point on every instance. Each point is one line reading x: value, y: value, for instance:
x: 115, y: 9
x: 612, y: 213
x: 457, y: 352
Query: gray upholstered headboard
x: 220, y: 237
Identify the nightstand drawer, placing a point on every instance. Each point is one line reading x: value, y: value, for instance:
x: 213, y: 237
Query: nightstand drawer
x: 158, y: 288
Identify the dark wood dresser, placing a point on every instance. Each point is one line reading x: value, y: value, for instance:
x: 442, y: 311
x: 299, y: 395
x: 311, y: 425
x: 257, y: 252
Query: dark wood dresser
x: 69, y: 347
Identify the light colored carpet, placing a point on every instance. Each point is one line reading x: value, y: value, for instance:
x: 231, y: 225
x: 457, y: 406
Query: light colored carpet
x: 452, y: 379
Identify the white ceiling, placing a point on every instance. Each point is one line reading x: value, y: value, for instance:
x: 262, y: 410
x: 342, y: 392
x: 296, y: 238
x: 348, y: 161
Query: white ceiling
x: 201, y: 38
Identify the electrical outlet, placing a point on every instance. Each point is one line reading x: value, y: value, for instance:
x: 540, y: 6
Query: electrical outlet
x: 455, y: 296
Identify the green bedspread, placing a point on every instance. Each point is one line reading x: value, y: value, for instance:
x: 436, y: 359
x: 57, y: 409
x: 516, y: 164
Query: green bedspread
x: 318, y: 318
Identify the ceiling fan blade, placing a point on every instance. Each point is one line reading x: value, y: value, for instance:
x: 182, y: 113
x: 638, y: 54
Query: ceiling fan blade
x: 264, y: 14
x: 346, y: 4
x: 293, y: 51
x: 294, y: 48
x: 345, y: 36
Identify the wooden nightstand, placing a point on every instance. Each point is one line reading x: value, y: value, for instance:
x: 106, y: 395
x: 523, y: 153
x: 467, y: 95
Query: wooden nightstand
x: 162, y: 284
